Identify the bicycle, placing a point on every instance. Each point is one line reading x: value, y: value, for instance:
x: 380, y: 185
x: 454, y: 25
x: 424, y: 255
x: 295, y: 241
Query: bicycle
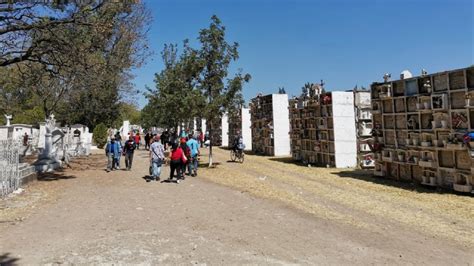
x: 238, y: 155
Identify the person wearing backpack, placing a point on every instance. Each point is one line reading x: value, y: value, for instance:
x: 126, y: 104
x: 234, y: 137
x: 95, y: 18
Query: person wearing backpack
x: 193, y: 145
x: 157, y: 156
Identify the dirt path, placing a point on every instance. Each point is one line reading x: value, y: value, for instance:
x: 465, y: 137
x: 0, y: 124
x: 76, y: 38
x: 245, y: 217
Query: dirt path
x: 313, y: 216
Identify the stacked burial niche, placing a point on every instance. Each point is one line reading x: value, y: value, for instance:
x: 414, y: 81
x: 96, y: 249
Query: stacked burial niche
x: 363, y: 119
x: 239, y: 125
x: 219, y: 130
x: 420, y: 124
x: 270, y: 125
x: 322, y: 128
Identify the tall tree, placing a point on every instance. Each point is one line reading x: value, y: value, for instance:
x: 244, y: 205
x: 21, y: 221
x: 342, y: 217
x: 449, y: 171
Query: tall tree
x: 175, y: 100
x: 31, y: 30
x: 84, y: 72
x: 219, y: 92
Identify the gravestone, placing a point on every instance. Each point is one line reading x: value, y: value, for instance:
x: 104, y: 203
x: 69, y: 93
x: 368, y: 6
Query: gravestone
x: 9, y: 118
x: 49, y: 160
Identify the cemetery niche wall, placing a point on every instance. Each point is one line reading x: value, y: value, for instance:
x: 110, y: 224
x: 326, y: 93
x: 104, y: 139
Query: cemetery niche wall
x: 420, y: 125
x: 322, y: 128
x: 239, y: 124
x: 270, y: 125
x: 363, y: 119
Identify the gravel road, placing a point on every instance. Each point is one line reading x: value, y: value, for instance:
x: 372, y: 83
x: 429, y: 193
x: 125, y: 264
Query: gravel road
x: 265, y: 211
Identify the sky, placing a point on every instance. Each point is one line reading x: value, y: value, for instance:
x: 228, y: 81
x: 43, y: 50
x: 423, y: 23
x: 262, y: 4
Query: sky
x: 287, y: 43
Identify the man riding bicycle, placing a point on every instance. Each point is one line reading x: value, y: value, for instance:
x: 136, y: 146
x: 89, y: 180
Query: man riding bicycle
x: 238, y: 145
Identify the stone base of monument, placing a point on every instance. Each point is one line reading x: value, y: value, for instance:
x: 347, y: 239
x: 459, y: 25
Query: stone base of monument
x: 27, y: 173
x: 46, y: 165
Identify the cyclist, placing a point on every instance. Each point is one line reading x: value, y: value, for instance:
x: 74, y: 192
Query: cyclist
x: 238, y: 145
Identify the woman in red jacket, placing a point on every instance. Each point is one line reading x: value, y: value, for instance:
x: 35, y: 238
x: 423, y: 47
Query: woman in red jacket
x: 176, y: 162
x: 137, y: 140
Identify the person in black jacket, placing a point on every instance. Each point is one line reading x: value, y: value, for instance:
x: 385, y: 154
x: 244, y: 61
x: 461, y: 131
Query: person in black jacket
x: 147, y: 140
x: 128, y: 150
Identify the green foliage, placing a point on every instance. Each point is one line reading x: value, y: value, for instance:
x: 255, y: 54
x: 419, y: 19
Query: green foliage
x: 83, y: 74
x: 30, y: 116
x: 217, y: 54
x: 100, y: 135
x: 175, y: 99
x: 195, y: 83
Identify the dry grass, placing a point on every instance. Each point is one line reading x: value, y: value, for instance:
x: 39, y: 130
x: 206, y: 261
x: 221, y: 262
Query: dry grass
x: 350, y: 196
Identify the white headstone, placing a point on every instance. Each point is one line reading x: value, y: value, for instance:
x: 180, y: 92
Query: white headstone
x: 41, y: 136
x: 125, y: 129
x: 8, y: 117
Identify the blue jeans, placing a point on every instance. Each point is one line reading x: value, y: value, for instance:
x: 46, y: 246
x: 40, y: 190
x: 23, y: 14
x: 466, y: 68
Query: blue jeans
x: 117, y: 161
x: 193, y: 165
x: 156, y: 169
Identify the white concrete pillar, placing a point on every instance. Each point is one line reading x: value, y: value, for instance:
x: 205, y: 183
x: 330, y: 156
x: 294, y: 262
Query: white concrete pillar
x: 281, y: 125
x: 225, y: 130
x: 246, y: 129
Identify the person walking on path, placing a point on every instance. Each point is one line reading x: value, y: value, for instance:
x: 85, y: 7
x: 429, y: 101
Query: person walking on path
x: 147, y: 140
x: 165, y: 138
x: 157, y: 156
x: 193, y: 146
x: 176, y: 160
x: 137, y: 140
x: 201, y: 138
x: 128, y: 151
x: 117, y: 159
x: 112, y: 151
x: 187, y: 154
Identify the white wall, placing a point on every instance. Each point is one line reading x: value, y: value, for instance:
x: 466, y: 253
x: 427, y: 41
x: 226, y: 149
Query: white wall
x: 203, y: 126
x: 42, y: 133
x: 225, y: 130
x: 3, y: 133
x: 345, y: 140
x: 246, y: 129
x: 281, y: 125
x: 20, y: 130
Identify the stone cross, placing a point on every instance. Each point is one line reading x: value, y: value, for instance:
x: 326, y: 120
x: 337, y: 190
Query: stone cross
x: 8, y: 117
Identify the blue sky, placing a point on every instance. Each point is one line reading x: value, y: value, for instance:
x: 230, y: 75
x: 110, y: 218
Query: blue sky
x: 288, y: 43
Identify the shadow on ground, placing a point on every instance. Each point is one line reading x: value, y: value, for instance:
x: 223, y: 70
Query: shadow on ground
x: 6, y: 260
x: 367, y: 176
x: 57, y: 175
x: 289, y: 160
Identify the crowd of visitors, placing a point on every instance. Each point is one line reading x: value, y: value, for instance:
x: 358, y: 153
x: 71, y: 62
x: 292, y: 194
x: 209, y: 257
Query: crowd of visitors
x: 182, y: 149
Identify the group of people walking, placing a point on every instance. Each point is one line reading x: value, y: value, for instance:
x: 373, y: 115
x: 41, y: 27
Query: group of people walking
x: 183, y: 153
x: 115, y: 149
x: 183, y: 157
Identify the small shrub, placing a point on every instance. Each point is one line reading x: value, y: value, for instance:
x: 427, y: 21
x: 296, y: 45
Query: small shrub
x: 100, y: 135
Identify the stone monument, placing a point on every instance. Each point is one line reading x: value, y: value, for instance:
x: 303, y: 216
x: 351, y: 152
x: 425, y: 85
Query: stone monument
x: 48, y: 160
x: 9, y: 118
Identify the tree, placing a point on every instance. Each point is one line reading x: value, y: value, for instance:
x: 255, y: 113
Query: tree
x: 33, y: 30
x: 84, y: 73
x: 175, y: 99
x: 195, y: 83
x: 217, y: 54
